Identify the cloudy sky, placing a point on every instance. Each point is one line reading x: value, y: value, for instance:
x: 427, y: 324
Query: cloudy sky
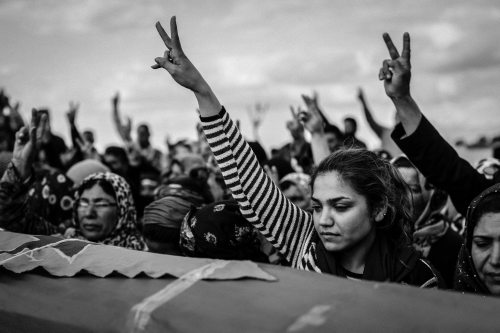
x: 54, y: 52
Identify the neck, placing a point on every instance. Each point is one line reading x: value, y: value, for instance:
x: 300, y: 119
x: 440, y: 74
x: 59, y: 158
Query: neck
x: 353, y: 259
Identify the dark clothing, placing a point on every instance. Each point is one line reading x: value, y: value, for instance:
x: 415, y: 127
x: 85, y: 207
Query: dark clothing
x: 16, y: 213
x: 440, y: 164
x: 53, y: 150
x: 384, y: 263
x: 288, y: 228
x: 466, y: 277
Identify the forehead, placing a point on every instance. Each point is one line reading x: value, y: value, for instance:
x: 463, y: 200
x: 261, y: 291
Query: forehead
x: 95, y: 192
x: 330, y: 185
x: 488, y: 225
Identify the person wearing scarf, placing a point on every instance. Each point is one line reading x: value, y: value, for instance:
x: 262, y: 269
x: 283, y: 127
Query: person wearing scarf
x: 219, y: 231
x: 432, y: 236
x: 478, y: 266
x: 162, y: 218
x: 107, y: 216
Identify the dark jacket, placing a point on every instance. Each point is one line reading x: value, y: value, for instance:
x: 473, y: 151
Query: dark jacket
x: 440, y: 164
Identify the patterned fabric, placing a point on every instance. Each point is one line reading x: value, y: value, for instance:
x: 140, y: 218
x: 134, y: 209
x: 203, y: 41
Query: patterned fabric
x: 287, y: 227
x: 125, y: 233
x: 466, y: 277
x: 15, y: 212
x: 432, y: 223
x: 51, y: 196
x: 301, y: 180
x: 219, y: 231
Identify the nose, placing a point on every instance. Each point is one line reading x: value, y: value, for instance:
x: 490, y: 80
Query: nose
x: 326, y: 219
x: 495, y: 254
x: 90, y: 212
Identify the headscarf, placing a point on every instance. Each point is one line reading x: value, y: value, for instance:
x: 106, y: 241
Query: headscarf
x: 220, y: 231
x: 167, y: 212
x: 51, y: 196
x: 185, y: 187
x: 466, y: 276
x: 432, y: 223
x: 125, y: 233
x: 79, y: 171
x: 301, y: 180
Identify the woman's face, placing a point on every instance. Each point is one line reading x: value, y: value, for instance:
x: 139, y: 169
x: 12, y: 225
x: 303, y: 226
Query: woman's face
x: 419, y: 194
x: 97, y: 213
x: 341, y: 215
x: 485, y: 251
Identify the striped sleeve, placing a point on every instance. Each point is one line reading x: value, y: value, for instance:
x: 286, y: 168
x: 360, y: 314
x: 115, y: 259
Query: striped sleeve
x: 284, y: 225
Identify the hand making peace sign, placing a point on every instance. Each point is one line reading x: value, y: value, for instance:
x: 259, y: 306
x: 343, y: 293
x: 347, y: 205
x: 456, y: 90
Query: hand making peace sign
x: 396, y: 72
x: 175, y: 61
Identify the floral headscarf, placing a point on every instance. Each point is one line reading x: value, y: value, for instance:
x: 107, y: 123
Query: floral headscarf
x: 219, y: 231
x: 51, y: 196
x: 125, y: 233
x: 466, y: 276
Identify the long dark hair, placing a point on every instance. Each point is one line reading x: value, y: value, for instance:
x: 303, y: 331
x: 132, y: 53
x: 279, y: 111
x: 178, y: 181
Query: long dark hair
x: 379, y: 182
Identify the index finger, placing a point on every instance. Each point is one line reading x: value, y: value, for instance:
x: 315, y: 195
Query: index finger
x: 393, y: 52
x: 164, y: 36
x: 406, y: 46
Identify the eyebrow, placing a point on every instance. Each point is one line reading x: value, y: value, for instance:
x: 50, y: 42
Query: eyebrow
x: 331, y: 201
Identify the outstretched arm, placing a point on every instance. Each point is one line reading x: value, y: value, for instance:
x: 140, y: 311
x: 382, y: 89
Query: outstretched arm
x: 314, y: 121
x: 419, y: 140
x: 286, y: 226
x: 376, y: 127
x: 15, y: 215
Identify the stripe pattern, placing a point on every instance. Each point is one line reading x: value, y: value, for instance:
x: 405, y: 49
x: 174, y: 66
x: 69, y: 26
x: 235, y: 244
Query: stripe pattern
x: 288, y: 228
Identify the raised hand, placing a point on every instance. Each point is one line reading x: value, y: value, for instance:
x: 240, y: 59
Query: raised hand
x: 361, y: 95
x: 396, y: 72
x: 312, y: 119
x: 72, y: 112
x: 25, y: 145
x: 124, y: 130
x: 256, y: 113
x: 176, y: 62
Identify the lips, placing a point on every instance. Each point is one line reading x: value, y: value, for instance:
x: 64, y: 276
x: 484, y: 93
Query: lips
x: 91, y: 227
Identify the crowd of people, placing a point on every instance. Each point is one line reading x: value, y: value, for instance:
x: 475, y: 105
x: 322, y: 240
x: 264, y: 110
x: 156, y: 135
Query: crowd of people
x: 413, y: 212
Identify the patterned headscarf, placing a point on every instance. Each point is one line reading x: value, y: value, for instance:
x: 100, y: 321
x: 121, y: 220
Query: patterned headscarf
x: 301, y: 180
x: 219, y: 231
x: 125, y: 233
x: 466, y: 277
x: 51, y: 196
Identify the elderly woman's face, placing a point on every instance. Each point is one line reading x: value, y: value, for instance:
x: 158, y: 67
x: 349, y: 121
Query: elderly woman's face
x: 341, y: 215
x: 97, y: 213
x: 485, y: 251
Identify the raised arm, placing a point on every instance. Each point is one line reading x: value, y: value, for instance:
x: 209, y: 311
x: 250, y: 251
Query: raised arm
x: 15, y: 214
x: 314, y: 122
x: 283, y: 224
x: 420, y: 141
x: 376, y: 127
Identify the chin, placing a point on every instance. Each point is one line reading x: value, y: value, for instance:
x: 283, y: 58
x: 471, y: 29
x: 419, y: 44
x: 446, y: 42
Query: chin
x: 494, y: 288
x: 333, y: 247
